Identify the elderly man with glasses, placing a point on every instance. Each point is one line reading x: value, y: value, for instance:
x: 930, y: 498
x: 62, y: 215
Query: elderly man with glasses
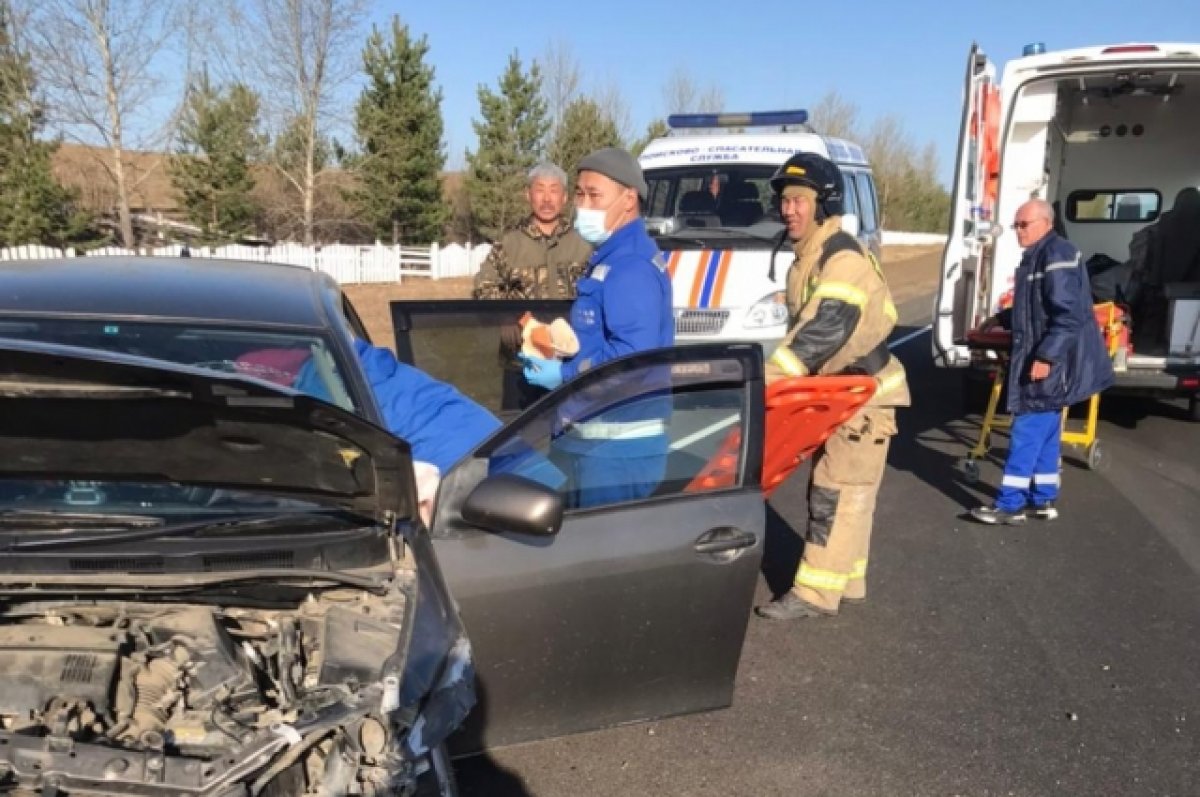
x: 1058, y: 359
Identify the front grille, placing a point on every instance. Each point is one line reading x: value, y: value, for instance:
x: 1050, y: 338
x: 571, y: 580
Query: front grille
x: 139, y: 564
x: 700, y: 322
x: 78, y: 668
x: 250, y: 561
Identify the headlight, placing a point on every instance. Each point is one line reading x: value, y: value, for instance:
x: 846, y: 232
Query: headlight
x: 769, y: 311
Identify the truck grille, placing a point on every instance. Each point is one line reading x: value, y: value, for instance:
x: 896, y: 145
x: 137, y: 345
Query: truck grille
x: 700, y: 322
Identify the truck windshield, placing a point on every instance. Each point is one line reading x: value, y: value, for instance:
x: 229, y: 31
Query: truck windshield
x: 713, y: 201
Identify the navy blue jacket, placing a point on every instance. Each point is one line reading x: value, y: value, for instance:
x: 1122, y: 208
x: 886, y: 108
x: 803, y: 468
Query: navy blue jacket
x: 1052, y: 320
x: 623, y: 303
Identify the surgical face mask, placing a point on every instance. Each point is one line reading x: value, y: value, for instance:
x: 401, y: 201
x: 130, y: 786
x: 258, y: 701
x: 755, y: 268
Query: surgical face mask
x: 589, y: 223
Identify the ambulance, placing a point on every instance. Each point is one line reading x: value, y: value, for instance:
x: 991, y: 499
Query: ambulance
x: 1109, y: 135
x: 712, y: 212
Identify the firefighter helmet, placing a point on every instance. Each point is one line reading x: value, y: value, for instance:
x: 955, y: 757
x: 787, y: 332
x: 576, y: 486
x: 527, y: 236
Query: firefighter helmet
x: 818, y: 173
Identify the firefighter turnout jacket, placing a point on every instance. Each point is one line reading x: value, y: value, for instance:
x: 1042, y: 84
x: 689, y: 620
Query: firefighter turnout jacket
x: 841, y: 315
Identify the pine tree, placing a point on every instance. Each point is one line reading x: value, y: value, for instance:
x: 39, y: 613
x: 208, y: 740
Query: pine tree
x: 398, y: 121
x: 34, y: 207
x: 511, y: 136
x: 656, y: 129
x: 584, y: 128
x: 218, y: 139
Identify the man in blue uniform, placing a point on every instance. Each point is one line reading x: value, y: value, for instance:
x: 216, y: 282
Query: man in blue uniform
x: 623, y: 306
x: 1058, y: 359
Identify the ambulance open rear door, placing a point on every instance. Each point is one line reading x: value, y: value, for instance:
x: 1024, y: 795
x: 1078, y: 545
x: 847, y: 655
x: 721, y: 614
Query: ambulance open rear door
x: 972, y: 215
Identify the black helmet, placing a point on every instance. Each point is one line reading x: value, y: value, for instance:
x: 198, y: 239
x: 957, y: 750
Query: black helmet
x: 818, y: 173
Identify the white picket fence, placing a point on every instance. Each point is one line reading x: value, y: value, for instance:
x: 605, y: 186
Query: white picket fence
x: 349, y: 263
x: 346, y: 263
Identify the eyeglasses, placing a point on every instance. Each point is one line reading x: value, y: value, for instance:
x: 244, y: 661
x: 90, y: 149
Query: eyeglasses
x: 1020, y: 225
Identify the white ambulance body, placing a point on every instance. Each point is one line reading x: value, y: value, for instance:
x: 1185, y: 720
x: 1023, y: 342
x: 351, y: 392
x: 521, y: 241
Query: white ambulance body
x: 712, y: 212
x: 1110, y: 135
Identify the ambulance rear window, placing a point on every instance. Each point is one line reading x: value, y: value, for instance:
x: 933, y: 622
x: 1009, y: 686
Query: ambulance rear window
x: 1121, y: 205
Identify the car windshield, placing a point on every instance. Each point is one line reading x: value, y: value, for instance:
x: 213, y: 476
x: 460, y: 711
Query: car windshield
x: 732, y: 203
x: 302, y: 361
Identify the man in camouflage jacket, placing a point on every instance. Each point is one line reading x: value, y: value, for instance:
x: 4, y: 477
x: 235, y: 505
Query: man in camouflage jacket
x: 543, y: 256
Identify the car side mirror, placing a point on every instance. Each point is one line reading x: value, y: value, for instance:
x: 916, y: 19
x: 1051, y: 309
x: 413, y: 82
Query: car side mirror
x: 509, y: 504
x: 850, y: 224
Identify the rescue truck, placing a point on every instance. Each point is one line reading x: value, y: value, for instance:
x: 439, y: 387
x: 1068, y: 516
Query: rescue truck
x: 1108, y: 135
x: 712, y: 212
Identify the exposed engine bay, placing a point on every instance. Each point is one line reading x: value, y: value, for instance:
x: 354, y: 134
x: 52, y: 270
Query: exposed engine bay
x: 100, y: 697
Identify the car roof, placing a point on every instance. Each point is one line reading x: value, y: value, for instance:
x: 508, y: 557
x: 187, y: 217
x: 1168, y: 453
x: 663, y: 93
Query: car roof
x: 198, y: 289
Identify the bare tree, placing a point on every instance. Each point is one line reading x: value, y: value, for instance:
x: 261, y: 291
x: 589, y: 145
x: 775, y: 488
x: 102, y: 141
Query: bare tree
x: 298, y: 53
x: 834, y: 115
x: 682, y: 94
x: 560, y: 81
x: 97, y: 61
x: 612, y: 103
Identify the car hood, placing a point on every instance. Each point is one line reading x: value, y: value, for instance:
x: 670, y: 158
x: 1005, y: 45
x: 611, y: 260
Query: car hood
x: 75, y: 413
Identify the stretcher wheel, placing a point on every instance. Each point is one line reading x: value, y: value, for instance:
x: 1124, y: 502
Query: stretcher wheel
x: 970, y: 468
x: 1095, y: 456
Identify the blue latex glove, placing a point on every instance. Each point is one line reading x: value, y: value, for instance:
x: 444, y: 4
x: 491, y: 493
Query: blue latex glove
x: 543, y: 373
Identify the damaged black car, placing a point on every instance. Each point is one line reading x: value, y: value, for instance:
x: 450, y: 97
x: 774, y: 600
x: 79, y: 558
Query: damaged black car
x: 210, y: 587
x: 214, y: 583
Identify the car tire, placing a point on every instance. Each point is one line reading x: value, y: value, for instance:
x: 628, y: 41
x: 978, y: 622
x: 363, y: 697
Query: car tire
x: 1194, y: 409
x: 438, y: 780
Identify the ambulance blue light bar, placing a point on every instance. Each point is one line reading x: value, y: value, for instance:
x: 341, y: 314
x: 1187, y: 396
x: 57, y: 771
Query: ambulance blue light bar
x: 681, y: 121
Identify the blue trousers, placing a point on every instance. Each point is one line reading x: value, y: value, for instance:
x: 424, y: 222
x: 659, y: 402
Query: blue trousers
x: 1031, y: 471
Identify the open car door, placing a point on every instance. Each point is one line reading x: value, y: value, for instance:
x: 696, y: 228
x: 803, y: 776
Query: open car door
x: 637, y: 607
x: 972, y: 214
x: 458, y: 341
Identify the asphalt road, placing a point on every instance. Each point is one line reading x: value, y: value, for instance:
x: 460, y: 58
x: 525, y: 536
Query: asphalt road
x: 1059, y: 658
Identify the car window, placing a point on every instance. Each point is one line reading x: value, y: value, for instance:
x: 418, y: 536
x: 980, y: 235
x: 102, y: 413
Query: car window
x: 1113, y: 205
x: 656, y: 204
x: 304, y: 362
x: 647, y: 432
x: 867, y: 202
x: 850, y: 204
x: 730, y: 195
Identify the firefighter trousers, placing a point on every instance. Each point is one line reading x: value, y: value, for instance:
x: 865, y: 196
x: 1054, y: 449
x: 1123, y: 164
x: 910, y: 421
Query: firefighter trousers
x: 845, y: 480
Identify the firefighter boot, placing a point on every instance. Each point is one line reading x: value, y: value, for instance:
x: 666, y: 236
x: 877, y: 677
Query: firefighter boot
x: 790, y: 606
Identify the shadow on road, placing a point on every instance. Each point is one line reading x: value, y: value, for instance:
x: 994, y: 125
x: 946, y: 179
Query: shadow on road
x: 482, y: 775
x: 782, y: 549
x: 934, y: 433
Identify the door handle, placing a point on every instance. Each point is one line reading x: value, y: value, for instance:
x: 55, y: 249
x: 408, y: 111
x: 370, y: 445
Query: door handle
x: 724, y: 539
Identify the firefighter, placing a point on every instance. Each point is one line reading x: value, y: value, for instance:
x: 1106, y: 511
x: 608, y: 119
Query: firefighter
x: 841, y: 315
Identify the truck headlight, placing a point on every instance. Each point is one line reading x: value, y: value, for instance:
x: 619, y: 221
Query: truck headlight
x: 769, y: 311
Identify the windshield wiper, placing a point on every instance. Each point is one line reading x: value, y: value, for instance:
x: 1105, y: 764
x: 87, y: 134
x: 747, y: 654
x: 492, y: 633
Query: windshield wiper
x: 226, y: 524
x: 45, y: 518
x: 20, y: 583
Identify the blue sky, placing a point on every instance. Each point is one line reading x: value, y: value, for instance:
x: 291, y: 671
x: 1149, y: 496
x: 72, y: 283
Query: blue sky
x: 887, y: 57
